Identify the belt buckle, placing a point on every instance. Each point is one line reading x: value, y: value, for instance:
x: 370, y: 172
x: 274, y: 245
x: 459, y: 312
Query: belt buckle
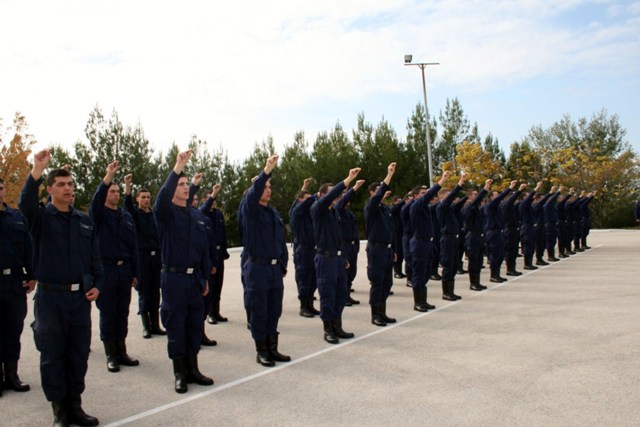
x: 75, y: 287
x: 218, y: 247
x: 119, y: 262
x: 339, y: 253
x: 153, y: 253
x: 190, y: 270
x: 389, y: 246
x: 274, y: 261
x: 6, y: 272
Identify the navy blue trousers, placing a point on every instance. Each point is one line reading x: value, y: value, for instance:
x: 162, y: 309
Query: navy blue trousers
x: 351, y: 254
x: 114, y: 302
x: 182, y: 312
x: 528, y: 238
x: 511, y: 242
x: 474, y: 247
x: 264, y: 292
x: 303, y: 260
x: 550, y: 236
x: 408, y: 257
x: 379, y: 273
x: 449, y: 257
x: 422, y: 259
x: 13, y: 310
x: 62, y: 334
x: 149, y: 283
x: 495, y: 248
x: 332, y: 286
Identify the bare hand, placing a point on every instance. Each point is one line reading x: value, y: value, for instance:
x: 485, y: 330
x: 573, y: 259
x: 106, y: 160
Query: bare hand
x: 391, y: 168
x: 513, y: 184
x: 30, y: 285
x: 216, y: 189
x: 522, y: 187
x: 92, y: 294
x: 206, y: 289
x: 128, y: 179
x: 271, y: 163
x: 182, y: 160
x: 197, y: 178
x: 354, y: 172
x: 134, y: 282
x: 41, y: 159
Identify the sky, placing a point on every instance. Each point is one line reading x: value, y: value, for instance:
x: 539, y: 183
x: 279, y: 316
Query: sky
x: 234, y: 73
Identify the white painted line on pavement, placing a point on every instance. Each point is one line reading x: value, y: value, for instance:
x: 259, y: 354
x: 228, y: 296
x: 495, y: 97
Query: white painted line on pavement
x: 342, y: 343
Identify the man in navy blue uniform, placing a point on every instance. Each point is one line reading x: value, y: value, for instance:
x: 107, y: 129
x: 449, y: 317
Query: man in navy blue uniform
x: 586, y: 218
x: 119, y: 250
x: 396, y: 210
x: 185, y: 270
x: 304, y: 249
x: 494, y: 237
x: 17, y: 279
x: 69, y: 272
x: 474, y: 234
x: 380, y: 248
x: 331, y: 265
x: 421, y: 243
x: 265, y: 267
x: 551, y: 226
x: 511, y: 214
x: 449, y: 229
x: 527, y: 228
x: 211, y: 210
x: 148, y: 286
x: 407, y: 234
x: 350, y: 237
x: 435, y: 263
x: 540, y: 224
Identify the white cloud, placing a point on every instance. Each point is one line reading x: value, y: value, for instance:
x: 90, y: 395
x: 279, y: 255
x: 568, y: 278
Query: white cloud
x: 226, y: 71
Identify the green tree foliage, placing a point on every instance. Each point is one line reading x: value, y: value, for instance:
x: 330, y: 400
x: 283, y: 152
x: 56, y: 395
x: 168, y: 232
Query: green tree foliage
x: 455, y: 129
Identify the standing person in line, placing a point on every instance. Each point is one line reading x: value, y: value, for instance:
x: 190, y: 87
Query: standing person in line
x: 527, y: 228
x: 510, y: 212
x: 149, y: 255
x: 421, y: 243
x: 494, y: 232
x: 119, y: 250
x: 551, y: 226
x: 266, y: 265
x: 586, y: 218
x: 449, y: 239
x: 185, y: 270
x: 458, y: 205
x: 304, y: 249
x: 69, y: 272
x: 435, y: 263
x: 211, y: 211
x: 17, y: 279
x: 407, y: 234
x: 540, y: 224
x: 350, y: 237
x: 474, y: 238
x: 396, y: 210
x: 380, y: 248
x: 213, y: 255
x: 331, y: 265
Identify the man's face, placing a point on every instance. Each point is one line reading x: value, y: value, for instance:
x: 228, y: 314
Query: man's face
x: 144, y: 199
x: 62, y: 190
x: 113, y: 195
x: 473, y: 195
x: 182, y: 190
x: 194, y: 201
x: 266, y: 193
x: 421, y: 193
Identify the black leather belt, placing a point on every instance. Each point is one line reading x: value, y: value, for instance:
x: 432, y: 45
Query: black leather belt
x: 380, y: 245
x: 181, y: 270
x: 56, y: 287
x: 110, y: 261
x: 329, y: 253
x: 149, y: 253
x: 15, y: 270
x: 424, y: 239
x: 449, y: 235
x: 266, y: 261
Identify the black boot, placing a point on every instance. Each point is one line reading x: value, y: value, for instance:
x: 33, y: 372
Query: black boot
x: 206, y: 341
x: 528, y: 263
x: 551, y: 256
x: 376, y: 318
x: 75, y: 413
x: 111, y: 351
x: 304, y: 308
x: 273, y: 350
x: 351, y: 301
x: 123, y: 357
x: 59, y: 414
x: 311, y: 307
x: 540, y: 261
x: 446, y: 292
x: 383, y: 314
x: 495, y: 276
x: 511, y: 269
x: 146, y: 325
x: 11, y: 378
x: 452, y: 286
x: 420, y: 300
x: 216, y: 312
x: 193, y: 372
x: 1, y: 379
x: 180, y: 374
x: 339, y: 332
x: 154, y: 316
x: 561, y: 253
x: 474, y: 279
x: 329, y: 333
x: 262, y: 353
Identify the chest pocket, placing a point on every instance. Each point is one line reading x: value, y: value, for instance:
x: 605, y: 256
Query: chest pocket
x: 18, y: 230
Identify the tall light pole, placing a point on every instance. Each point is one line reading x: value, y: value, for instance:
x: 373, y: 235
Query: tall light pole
x: 422, y: 65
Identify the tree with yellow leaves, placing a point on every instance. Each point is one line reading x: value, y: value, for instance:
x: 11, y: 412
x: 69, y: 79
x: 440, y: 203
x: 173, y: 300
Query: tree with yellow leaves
x: 14, y: 166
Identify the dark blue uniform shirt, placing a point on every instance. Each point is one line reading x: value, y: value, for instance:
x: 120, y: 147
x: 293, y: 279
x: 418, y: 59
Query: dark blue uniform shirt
x: 420, y: 214
x: 146, y: 229
x: 16, y: 249
x: 327, y: 226
x: 447, y: 217
x: 473, y: 220
x: 493, y: 213
x: 378, y: 219
x: 349, y: 223
x: 301, y: 223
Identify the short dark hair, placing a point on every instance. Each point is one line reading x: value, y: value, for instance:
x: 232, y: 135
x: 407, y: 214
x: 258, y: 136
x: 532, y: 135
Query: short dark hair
x: 416, y: 190
x: 324, y: 188
x: 142, y: 190
x: 373, y: 186
x: 56, y: 173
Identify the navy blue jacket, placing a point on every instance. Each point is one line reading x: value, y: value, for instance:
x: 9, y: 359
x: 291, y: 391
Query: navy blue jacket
x: 446, y: 215
x: 526, y: 211
x: 263, y: 227
x: 66, y: 246
x: 493, y: 212
x: 301, y: 223
x: 378, y: 219
x: 405, y: 216
x: 473, y: 220
x: 16, y: 249
x: 116, y: 231
x: 420, y: 214
x: 327, y: 226
x: 550, y: 213
x: 146, y: 229
x: 183, y: 233
x: 349, y: 223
